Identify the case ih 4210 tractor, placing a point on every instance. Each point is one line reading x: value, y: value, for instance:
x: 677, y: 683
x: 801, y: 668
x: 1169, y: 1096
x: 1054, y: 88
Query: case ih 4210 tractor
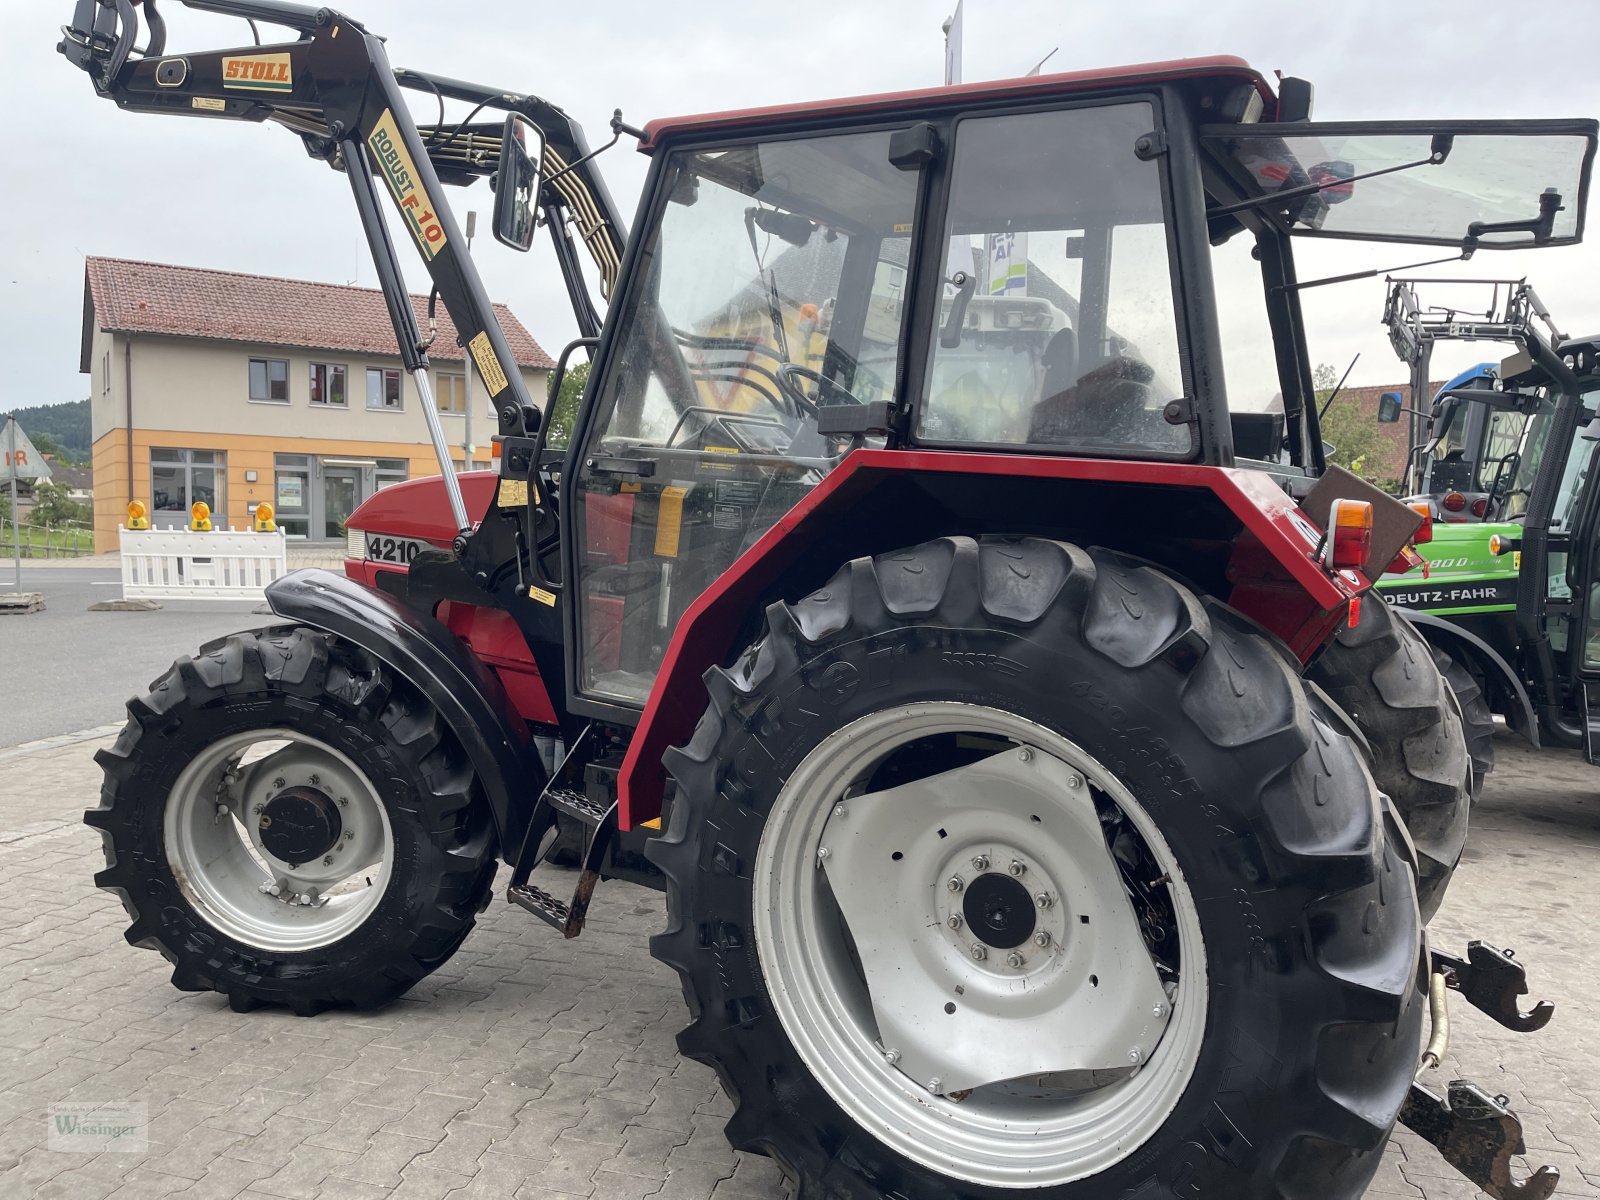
x: 1039, y: 808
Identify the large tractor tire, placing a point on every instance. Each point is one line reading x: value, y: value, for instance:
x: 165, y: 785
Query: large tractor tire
x: 289, y: 823
x: 1382, y: 674
x: 1477, y: 719
x: 1005, y: 867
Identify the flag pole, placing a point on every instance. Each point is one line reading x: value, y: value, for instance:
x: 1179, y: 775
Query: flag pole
x: 16, y: 525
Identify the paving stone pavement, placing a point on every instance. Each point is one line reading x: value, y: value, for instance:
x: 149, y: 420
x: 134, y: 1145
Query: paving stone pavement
x: 542, y: 1069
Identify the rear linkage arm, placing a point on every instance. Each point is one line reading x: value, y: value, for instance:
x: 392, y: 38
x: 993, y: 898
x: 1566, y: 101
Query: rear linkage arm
x: 1476, y: 1132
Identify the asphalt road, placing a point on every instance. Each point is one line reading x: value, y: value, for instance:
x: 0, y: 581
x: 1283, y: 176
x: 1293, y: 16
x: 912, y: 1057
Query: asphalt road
x: 66, y: 669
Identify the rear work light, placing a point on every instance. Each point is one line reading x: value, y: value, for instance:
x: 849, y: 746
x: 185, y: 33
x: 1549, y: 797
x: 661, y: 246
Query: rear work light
x: 1454, y: 502
x: 1349, y: 543
x: 1424, y: 533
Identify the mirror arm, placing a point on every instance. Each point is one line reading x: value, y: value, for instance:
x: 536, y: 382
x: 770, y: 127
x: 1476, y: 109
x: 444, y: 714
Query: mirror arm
x: 1311, y: 189
x: 618, y: 128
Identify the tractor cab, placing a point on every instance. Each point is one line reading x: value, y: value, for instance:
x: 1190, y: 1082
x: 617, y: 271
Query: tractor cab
x: 1018, y: 268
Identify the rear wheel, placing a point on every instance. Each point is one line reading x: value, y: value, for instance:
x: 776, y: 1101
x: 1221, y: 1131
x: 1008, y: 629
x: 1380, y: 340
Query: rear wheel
x: 1382, y: 674
x: 289, y: 823
x: 1005, y: 865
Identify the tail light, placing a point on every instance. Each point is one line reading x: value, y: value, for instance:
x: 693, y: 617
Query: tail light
x: 1480, y: 507
x: 1424, y: 533
x: 1349, y: 535
x: 1454, y: 502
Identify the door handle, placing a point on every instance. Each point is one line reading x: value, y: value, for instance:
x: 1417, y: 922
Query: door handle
x: 639, y: 468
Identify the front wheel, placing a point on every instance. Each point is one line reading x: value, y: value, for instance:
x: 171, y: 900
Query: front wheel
x: 1003, y: 865
x: 288, y: 822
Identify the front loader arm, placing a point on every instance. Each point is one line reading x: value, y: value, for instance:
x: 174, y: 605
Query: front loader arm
x: 334, y: 88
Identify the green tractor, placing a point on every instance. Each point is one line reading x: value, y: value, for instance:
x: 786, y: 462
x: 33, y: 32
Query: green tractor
x: 1511, y: 605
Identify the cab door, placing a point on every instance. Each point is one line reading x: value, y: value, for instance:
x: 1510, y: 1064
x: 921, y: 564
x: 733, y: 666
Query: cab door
x: 1583, y: 576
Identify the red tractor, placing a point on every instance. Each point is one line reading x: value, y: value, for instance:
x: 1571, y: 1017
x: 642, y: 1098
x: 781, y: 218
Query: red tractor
x: 1039, y: 808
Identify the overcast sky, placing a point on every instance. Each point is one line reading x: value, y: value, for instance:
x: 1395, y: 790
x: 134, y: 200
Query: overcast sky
x: 83, y: 178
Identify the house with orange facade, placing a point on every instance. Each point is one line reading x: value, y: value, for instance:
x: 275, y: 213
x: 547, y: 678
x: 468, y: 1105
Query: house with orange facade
x: 238, y: 389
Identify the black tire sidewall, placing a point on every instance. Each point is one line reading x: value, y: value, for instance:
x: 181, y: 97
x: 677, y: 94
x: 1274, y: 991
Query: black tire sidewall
x: 1252, y: 920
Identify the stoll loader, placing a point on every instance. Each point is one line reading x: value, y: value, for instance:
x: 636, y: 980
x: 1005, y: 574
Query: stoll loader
x: 1040, y: 811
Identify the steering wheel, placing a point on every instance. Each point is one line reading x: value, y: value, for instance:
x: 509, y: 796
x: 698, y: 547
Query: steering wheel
x: 788, y: 376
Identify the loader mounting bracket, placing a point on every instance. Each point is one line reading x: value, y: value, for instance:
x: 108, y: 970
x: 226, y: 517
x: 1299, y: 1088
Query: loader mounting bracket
x: 1477, y: 1134
x: 1492, y: 980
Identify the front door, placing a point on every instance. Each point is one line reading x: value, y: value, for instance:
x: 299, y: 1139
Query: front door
x: 341, y: 492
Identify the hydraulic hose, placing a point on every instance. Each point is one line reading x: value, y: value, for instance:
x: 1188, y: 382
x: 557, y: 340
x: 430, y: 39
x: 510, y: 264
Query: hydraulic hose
x: 1439, y: 1016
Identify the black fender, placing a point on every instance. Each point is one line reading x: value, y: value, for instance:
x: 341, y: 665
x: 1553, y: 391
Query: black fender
x: 1504, y: 682
x: 439, y: 665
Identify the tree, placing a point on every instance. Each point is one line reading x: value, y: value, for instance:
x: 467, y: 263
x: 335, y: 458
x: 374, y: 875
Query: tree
x: 53, y: 505
x: 1359, y: 444
x: 564, y: 412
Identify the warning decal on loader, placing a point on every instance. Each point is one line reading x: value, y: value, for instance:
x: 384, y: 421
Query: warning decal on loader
x: 394, y: 163
x: 259, y: 73
x: 489, y: 369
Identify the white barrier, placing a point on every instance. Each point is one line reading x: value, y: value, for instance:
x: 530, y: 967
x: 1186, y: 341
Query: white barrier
x: 180, y: 564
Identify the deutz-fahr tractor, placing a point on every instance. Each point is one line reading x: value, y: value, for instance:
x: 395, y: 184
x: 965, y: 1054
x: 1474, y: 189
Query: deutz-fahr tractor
x: 1512, y: 605
x: 1040, y: 809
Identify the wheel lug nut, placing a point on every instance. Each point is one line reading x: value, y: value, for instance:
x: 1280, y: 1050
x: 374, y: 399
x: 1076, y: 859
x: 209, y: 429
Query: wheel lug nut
x: 935, y: 1084
x: 838, y: 810
x: 823, y: 854
x: 259, y: 809
x: 955, y: 921
x: 278, y: 782
x: 343, y: 802
x: 1159, y: 1010
x: 955, y: 883
x: 979, y: 953
x: 980, y: 862
x: 1017, y: 866
x: 316, y: 779
x: 1074, y: 781
x: 891, y: 1057
x: 349, y: 835
x: 1014, y: 959
x: 1135, y: 1056
x: 327, y: 860
x: 1043, y: 900
x: 1042, y: 938
x: 1025, y: 755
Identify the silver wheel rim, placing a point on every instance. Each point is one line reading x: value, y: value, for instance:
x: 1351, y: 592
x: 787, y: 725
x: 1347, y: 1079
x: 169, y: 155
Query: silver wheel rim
x: 222, y: 858
x: 1004, y: 1134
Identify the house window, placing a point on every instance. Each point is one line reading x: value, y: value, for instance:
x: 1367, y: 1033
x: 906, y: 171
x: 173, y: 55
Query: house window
x: 181, y: 478
x: 452, y: 393
x: 383, y: 387
x: 269, y: 380
x: 392, y: 470
x: 327, y: 385
x: 291, y: 493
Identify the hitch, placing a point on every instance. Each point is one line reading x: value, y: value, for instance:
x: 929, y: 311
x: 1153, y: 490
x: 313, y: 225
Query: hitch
x: 1477, y: 1134
x: 1492, y: 980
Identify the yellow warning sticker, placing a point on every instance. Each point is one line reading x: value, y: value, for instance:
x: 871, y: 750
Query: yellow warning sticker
x: 513, y: 493
x: 400, y: 173
x: 258, y: 72
x: 670, y: 521
x: 209, y: 104
x: 542, y: 596
x: 494, y: 378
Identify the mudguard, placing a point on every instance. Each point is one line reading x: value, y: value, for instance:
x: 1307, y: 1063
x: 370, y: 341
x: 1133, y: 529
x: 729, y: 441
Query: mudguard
x: 1453, y: 639
x: 438, y: 664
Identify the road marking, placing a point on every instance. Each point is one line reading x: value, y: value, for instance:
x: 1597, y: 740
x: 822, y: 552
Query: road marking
x: 59, y: 740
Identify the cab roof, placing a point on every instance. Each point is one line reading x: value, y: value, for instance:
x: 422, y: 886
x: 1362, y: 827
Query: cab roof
x: 1224, y: 69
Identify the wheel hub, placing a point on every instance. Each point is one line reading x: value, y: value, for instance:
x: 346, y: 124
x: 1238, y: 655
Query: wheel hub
x: 299, y: 824
x: 999, y: 911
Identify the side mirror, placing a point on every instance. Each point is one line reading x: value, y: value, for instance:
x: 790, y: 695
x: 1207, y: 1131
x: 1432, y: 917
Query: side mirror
x: 516, y: 183
x: 1389, y: 405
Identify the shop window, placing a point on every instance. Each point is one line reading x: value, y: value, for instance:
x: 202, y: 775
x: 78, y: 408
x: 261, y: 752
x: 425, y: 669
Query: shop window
x: 327, y: 385
x: 392, y: 470
x: 182, y: 478
x: 383, y: 388
x: 269, y: 380
x: 291, y: 494
x: 452, y: 393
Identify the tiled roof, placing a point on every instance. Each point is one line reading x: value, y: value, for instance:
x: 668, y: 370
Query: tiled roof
x: 145, y: 297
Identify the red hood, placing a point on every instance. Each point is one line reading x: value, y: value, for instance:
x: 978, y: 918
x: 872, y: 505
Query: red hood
x: 419, y: 508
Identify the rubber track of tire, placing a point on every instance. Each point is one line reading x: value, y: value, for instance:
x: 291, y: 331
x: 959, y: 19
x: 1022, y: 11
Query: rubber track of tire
x: 1477, y: 720
x: 1382, y: 674
x: 1348, y: 1088
x: 299, y: 662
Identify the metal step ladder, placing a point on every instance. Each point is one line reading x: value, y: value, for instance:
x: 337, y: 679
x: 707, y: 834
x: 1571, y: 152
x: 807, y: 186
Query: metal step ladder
x: 562, y: 803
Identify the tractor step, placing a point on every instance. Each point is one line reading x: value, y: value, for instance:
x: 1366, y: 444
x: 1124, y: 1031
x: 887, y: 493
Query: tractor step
x: 1477, y: 1134
x: 576, y: 805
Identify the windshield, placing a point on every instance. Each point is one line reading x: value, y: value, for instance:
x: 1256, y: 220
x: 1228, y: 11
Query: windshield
x: 1055, y: 214
x: 1491, y: 174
